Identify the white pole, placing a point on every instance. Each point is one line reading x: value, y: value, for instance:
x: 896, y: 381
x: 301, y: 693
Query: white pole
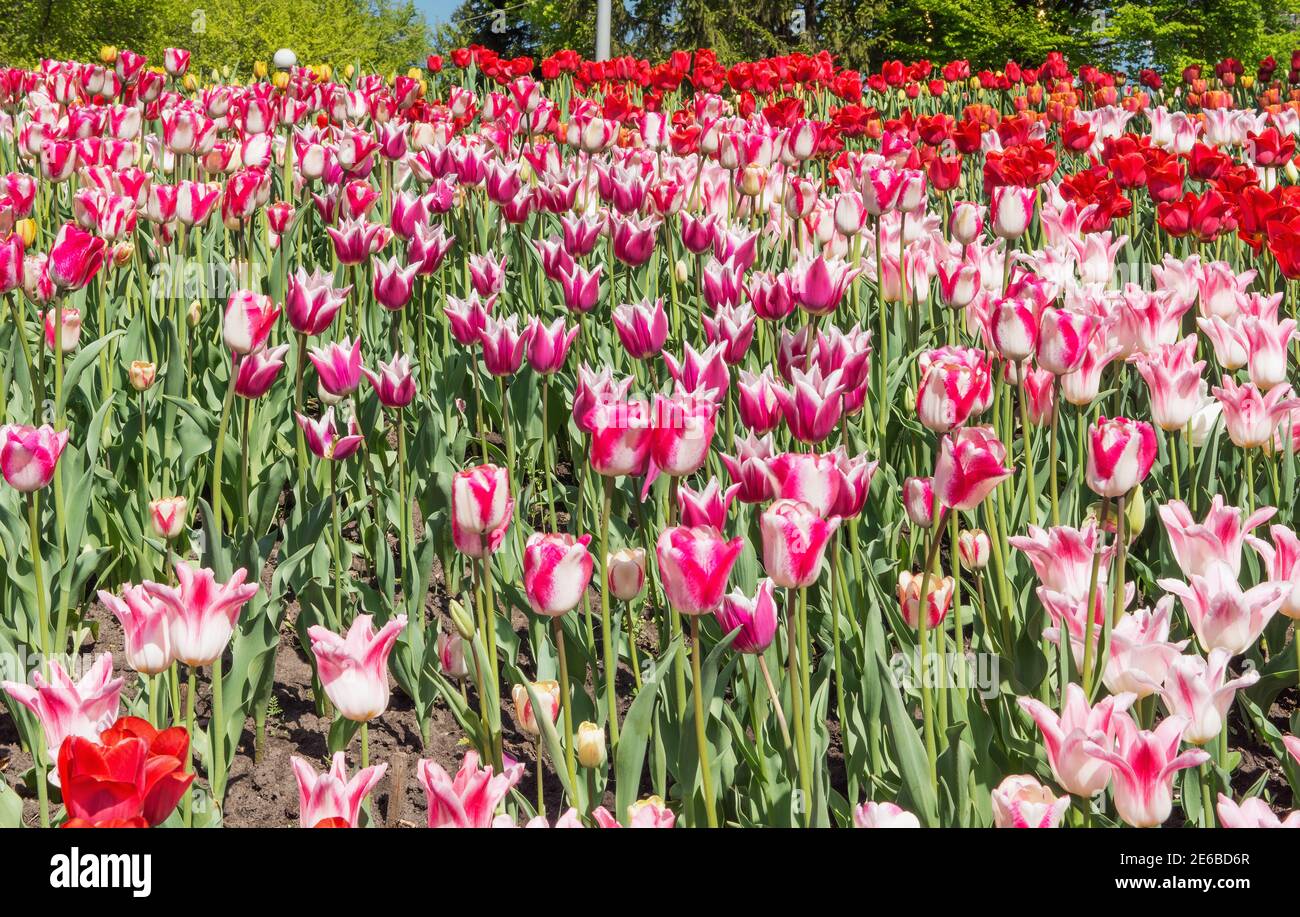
x: 602, y: 29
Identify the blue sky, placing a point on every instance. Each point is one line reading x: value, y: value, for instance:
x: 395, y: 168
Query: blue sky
x: 437, y: 11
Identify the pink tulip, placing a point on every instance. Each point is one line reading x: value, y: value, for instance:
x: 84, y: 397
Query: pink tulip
x: 394, y: 282
x: 707, y: 507
x: 938, y: 599
x: 503, y: 345
x: 167, y: 516
x: 257, y: 372
x: 1082, y: 386
x: 581, y: 288
x: 1012, y: 210
x: 144, y: 628
x: 1292, y: 744
x: 959, y: 282
x: 1020, y: 801
x: 176, y: 61
x: 481, y: 503
x: 919, y: 501
x: 323, y: 438
x: 1066, y: 736
x: 642, y: 327
x: 248, y: 321
x: 1120, y: 455
x: 12, y: 263
x: 1062, y: 558
x: 813, y: 404
x: 354, y: 668
x: 201, y: 612
x: 1251, y: 417
x: 312, y: 301
x: 750, y: 468
x: 1173, y: 381
x: 66, y: 708
x: 472, y: 798
x: 452, y: 649
x: 548, y: 345
x: 951, y: 391
x: 1140, y: 651
x: 548, y: 693
x: 393, y: 384
x: 467, y: 317
x: 1198, y: 693
x: 770, y: 295
x: 757, y: 401
x: 819, y: 285
x: 29, y: 455
x: 1143, y: 764
x: 644, y: 813
x: 883, y: 815
x: 1282, y: 563
x: 1253, y: 813
x: 855, y: 475
x: 1224, y: 615
x: 338, y: 366
x: 355, y: 240
x: 733, y: 328
x: 794, y: 542
x: 1268, y: 343
x: 694, y: 564
x: 967, y: 222
x: 1013, y: 326
x: 69, y: 334
x: 701, y: 371
x: 75, y: 257
x: 969, y: 466
x: 756, y: 618
x: 1231, y: 349
x: 633, y: 238
x: 1063, y: 340
x: 974, y: 548
x: 808, y: 478
x: 621, y: 437
x: 428, y: 248
x: 557, y: 570
x: 1196, y: 545
x: 682, y: 428
x: 330, y: 795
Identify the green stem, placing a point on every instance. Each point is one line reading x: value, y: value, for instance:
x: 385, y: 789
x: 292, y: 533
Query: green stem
x: 336, y: 546
x: 1088, y: 622
x: 38, y: 574
x: 701, y: 734
x: 219, y: 453
x: 606, y: 637
x: 557, y: 631
x: 190, y: 686
x: 217, y: 736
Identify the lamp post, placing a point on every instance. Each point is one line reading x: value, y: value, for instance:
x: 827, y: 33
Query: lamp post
x: 602, y: 29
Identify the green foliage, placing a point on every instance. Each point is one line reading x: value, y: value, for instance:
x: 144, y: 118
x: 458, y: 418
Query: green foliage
x: 376, y: 34
x: 862, y: 33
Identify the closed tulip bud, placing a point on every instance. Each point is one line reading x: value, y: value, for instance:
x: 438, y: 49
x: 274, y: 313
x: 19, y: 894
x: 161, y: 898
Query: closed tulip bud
x: 248, y: 321
x: 451, y: 649
x: 108, y: 53
x: 1012, y: 211
x: 974, y: 547
x: 919, y: 501
x: 590, y: 743
x: 462, y: 619
x: 259, y: 69
x: 69, y: 336
x: 967, y: 223
x: 1120, y: 455
x: 167, y: 516
x: 937, y: 601
x: 548, y: 694
x: 1014, y: 329
x: 626, y: 573
x: 680, y: 270
x: 142, y: 374
x: 755, y: 619
x: 194, y: 314
x: 26, y: 230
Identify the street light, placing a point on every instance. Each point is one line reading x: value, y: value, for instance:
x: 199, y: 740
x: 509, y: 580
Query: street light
x: 602, y: 29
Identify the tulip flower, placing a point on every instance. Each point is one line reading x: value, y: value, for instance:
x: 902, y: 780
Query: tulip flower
x: 818, y: 285
x: 1063, y: 340
x: 581, y: 288
x: 75, y: 257
x: 142, y: 375
x: 1020, y: 801
x: 590, y: 740
x: 1223, y: 615
x: 548, y: 345
x: 394, y: 283
x: 1120, y: 455
x: 1197, y: 545
x: 1282, y: 563
x: 393, y: 384
x: 167, y: 516
x: 66, y: 708
x: 1140, y: 651
x: 621, y: 437
x: 481, y: 504
x: 451, y: 651
x: 29, y: 455
x: 1253, y: 813
x: 642, y: 327
x: 312, y: 301
x: 794, y: 542
x: 1014, y: 329
x: 144, y: 621
x: 339, y: 367
x: 503, y: 345
x: 950, y: 392
x: 323, y: 437
x: 1011, y: 211
x: 808, y: 478
x: 855, y: 476
x: 1251, y: 417
x: 330, y: 798
x: 883, y: 815
x: 1143, y: 764
x: 557, y: 569
x: 626, y: 573
x: 755, y: 619
x: 969, y: 466
x: 919, y: 501
x: 974, y: 548
x: 548, y: 692
x: 65, y: 339
x: 694, y: 564
x: 701, y: 371
x: 644, y: 813
x: 354, y: 668
x: 813, y: 404
x: 130, y: 775
x: 1197, y: 692
x: 757, y: 401
x: 938, y: 600
x: 1078, y: 725
x: 1173, y: 382
x: 470, y: 800
x: 248, y: 321
x: 257, y: 372
x: 201, y: 612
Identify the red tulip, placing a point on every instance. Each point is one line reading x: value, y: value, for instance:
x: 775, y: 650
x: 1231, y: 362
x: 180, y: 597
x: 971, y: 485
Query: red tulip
x: 136, y: 774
